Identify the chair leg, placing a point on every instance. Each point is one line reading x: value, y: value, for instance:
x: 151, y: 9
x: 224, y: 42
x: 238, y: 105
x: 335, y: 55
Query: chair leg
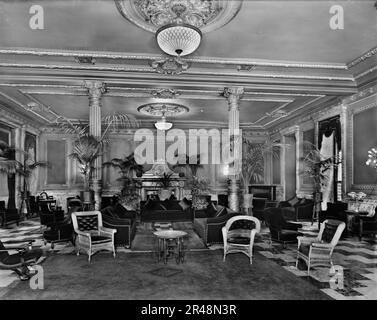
x: 309, y: 268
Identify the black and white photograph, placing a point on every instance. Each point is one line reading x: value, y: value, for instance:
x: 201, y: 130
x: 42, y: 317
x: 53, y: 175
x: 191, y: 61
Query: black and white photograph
x: 191, y: 156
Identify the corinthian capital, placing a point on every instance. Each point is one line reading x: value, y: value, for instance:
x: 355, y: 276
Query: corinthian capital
x: 233, y: 94
x: 95, y: 88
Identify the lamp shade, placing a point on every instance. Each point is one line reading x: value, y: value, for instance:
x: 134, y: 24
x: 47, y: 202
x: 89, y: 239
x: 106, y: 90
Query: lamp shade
x: 163, y: 124
x: 178, y: 39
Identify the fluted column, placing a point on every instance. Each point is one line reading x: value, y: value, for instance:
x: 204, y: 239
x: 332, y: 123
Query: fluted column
x: 95, y: 91
x: 233, y: 95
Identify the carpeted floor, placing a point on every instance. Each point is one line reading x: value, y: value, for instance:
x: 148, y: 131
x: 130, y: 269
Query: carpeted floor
x: 138, y: 276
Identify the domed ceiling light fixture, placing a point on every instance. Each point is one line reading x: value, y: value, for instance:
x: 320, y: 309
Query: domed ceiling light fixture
x: 163, y: 124
x: 178, y: 39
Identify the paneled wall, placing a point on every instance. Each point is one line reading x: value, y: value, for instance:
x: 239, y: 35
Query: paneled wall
x: 358, y: 116
x: 63, y: 178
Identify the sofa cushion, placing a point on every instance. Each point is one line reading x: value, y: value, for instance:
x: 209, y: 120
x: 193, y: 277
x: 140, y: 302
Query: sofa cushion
x: 108, y: 211
x: 154, y: 205
x: 211, y: 210
x: 184, y: 204
x: 293, y: 201
x: 171, y: 205
x: 122, y: 213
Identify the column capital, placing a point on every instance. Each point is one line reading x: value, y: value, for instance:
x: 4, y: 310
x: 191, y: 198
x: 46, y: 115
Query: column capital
x: 233, y: 94
x: 95, y: 88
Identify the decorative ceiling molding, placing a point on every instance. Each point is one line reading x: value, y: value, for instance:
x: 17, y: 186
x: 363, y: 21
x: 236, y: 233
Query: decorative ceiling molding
x: 208, y: 15
x: 190, y: 72
x: 370, y: 53
x: 170, y: 65
x: 165, y: 93
x: 366, y: 72
x: 201, y: 60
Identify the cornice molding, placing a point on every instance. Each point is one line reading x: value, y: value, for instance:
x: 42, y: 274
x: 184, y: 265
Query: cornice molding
x: 370, y: 53
x: 188, y: 72
x: 366, y: 72
x: 139, y: 56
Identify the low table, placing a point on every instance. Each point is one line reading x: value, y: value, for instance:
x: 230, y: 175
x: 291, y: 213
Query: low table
x: 170, y: 243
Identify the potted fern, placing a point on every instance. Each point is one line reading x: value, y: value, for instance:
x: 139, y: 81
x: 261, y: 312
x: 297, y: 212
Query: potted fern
x: 164, y: 182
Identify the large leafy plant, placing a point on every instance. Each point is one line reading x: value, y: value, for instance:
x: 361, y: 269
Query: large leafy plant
x: 87, y: 147
x: 316, y: 166
x: 253, y: 161
x: 127, y: 167
x: 9, y: 165
x: 165, y: 180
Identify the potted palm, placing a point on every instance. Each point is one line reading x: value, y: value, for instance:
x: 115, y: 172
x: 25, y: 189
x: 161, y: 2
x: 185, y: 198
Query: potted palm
x: 127, y: 168
x: 199, y: 186
x: 87, y: 148
x: 315, y: 166
x: 24, y: 169
x: 253, y: 166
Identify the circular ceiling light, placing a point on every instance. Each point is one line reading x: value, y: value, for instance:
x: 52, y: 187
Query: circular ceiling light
x: 163, y: 124
x: 178, y: 39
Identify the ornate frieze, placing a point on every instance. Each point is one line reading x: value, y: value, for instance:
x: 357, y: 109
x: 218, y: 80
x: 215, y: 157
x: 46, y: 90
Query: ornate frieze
x: 165, y: 93
x: 170, y: 65
x: 362, y: 58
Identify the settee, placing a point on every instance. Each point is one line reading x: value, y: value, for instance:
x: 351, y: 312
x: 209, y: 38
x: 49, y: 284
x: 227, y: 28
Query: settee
x: 209, y: 222
x: 297, y: 209
x: 123, y: 220
x: 165, y: 211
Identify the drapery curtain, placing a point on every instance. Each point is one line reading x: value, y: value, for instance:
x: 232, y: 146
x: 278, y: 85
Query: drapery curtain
x: 329, y: 144
x: 327, y: 151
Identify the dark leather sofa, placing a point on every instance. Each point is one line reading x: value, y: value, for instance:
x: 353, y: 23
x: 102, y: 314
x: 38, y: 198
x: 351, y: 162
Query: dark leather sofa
x: 164, y: 211
x: 124, y: 221
x: 297, y: 209
x: 208, y: 223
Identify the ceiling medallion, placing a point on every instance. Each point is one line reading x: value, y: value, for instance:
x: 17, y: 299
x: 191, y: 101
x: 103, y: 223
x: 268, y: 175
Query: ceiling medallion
x: 163, y: 109
x: 170, y: 65
x: 207, y: 15
x: 165, y: 93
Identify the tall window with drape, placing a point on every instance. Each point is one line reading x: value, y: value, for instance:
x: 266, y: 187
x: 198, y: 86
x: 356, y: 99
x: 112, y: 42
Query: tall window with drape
x: 329, y: 144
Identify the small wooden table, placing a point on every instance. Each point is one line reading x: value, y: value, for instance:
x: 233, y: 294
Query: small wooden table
x: 351, y: 214
x: 170, y: 243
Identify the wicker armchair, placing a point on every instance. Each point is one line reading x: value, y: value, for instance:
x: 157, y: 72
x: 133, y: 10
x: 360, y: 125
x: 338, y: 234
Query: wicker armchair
x: 238, y: 235
x: 318, y: 251
x: 91, y: 235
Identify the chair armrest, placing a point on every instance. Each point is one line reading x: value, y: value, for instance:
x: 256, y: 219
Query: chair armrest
x: 284, y: 204
x: 82, y: 233
x: 322, y: 245
x: 107, y: 230
x: 306, y: 240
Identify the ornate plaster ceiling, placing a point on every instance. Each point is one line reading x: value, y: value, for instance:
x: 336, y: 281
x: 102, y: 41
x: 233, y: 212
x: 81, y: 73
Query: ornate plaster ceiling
x: 207, y: 15
x: 282, y: 52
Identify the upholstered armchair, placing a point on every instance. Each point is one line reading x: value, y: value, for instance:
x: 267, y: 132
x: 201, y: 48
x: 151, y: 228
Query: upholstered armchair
x: 19, y: 262
x: 238, y: 235
x: 8, y: 216
x: 318, y: 251
x: 91, y: 235
x: 281, y: 231
x: 49, y: 216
